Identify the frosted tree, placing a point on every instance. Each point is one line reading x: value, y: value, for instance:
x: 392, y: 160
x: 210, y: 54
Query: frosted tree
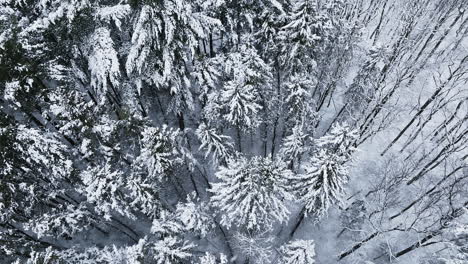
x: 151, y: 249
x: 241, y: 97
x: 364, y: 85
x: 164, y: 41
x: 195, y: 215
x: 214, y: 144
x: 207, y: 75
x: 298, y: 252
x: 247, y: 75
x: 125, y: 254
x: 65, y: 221
x: 120, y: 121
x: 116, y: 13
x: 103, y: 62
x: 340, y: 140
x: 308, y: 27
x: 169, y: 250
x: 245, y: 17
x: 91, y: 255
x: 103, y: 188
x: 34, y: 167
x: 245, y: 91
x: 322, y: 183
x: 251, y: 193
x: 159, y: 157
x: 167, y: 245
x: 326, y: 173
x: 271, y: 18
x: 353, y: 217
x: 299, y: 103
x: 158, y: 151
x: 254, y: 247
x: 456, y: 250
x: 294, y: 145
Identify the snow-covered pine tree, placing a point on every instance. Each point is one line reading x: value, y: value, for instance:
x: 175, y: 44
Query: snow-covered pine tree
x: 299, y: 103
x: 103, y: 188
x: 269, y: 21
x: 35, y: 173
x: 294, y: 146
x: 322, y: 183
x: 214, y: 144
x: 243, y: 108
x: 254, y: 246
x: 165, y: 37
x: 207, y: 75
x: 307, y: 28
x: 364, y: 85
x: 298, y: 252
x: 325, y: 174
x: 241, y: 17
x: 248, y: 75
x: 103, y: 63
x: 167, y: 244
x: 340, y: 140
x: 251, y: 193
x: 195, y: 216
x: 158, y: 151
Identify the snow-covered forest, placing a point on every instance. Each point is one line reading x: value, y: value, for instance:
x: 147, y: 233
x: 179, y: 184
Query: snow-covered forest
x: 234, y: 131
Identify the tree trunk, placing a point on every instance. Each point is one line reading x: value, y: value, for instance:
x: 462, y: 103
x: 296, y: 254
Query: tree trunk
x: 424, y: 106
x: 301, y: 217
x: 357, y: 246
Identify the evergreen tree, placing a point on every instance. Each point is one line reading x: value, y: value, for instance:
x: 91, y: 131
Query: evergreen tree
x: 294, y: 145
x: 248, y: 75
x: 298, y: 252
x: 165, y: 40
x: 361, y: 91
x: 299, y: 103
x: 322, y: 183
x: 218, y: 146
x: 251, y: 193
x: 340, y: 140
x: 195, y: 215
x: 307, y: 29
x: 103, y: 62
x: 325, y: 174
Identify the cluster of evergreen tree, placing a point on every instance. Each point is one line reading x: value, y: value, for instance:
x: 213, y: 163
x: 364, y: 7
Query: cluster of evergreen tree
x: 210, y: 131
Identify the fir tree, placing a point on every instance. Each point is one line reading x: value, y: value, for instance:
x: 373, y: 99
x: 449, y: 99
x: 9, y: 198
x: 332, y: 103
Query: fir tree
x: 298, y: 252
x: 247, y: 75
x: 325, y: 174
x: 216, y: 145
x: 251, y: 193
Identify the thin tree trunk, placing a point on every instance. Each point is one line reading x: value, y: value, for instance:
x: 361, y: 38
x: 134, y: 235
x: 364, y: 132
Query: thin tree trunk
x: 433, y: 163
x: 426, y: 193
x: 375, y: 34
x: 424, y: 106
x: 357, y: 246
x: 301, y: 217
x: 416, y: 245
x: 180, y: 119
x: 239, y: 139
